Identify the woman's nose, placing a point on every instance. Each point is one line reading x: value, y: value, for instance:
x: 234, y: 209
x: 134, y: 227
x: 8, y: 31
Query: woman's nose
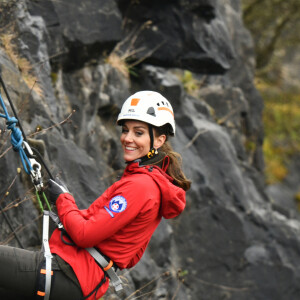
x: 128, y: 137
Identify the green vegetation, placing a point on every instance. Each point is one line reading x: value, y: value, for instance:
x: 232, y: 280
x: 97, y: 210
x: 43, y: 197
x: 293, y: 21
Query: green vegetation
x: 274, y: 25
x: 190, y: 84
x: 282, y: 127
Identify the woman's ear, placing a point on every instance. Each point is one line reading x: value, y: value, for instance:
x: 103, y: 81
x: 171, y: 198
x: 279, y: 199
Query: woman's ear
x: 159, y: 141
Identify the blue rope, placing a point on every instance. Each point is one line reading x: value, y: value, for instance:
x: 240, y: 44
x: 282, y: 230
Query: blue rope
x: 16, y: 137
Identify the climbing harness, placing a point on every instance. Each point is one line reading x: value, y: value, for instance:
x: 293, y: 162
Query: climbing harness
x: 44, y: 278
x: 108, y: 267
x: 47, y: 254
x: 33, y: 168
x: 104, y: 262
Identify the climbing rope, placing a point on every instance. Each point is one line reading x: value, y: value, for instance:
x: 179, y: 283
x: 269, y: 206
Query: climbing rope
x: 32, y: 168
x: 20, y: 145
x: 40, y: 202
x: 16, y: 137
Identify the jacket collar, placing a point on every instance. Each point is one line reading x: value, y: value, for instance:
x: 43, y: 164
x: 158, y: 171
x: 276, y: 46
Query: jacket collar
x: 156, y: 160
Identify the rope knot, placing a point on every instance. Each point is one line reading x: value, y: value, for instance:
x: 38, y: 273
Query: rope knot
x: 16, y: 134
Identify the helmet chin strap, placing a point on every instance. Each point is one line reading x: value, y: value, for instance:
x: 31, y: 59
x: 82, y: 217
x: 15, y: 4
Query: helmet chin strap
x: 152, y: 151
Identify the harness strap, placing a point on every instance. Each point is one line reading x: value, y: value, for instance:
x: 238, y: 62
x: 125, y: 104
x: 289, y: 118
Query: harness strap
x: 47, y: 254
x: 107, y: 267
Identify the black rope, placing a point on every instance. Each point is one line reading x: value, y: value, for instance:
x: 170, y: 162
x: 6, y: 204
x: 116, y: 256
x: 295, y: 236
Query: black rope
x: 2, y: 211
x: 40, y: 158
x: 23, y: 133
x: 12, y: 107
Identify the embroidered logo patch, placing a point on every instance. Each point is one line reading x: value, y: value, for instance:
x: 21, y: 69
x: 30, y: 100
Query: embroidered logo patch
x: 117, y: 204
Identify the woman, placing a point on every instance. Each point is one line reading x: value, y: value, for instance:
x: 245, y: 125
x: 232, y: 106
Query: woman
x: 122, y: 220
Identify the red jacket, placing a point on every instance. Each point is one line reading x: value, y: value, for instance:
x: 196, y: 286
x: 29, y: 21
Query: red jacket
x: 120, y: 222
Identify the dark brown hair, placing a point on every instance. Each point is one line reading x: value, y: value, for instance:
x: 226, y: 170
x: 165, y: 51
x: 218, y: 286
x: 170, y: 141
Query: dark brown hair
x: 175, y: 161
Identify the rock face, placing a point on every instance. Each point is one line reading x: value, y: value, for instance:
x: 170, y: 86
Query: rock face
x: 231, y: 242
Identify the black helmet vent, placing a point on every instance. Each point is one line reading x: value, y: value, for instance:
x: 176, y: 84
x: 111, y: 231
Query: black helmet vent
x: 151, y: 111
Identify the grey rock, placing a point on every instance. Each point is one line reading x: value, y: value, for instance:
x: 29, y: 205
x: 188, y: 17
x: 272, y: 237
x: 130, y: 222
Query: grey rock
x: 233, y: 241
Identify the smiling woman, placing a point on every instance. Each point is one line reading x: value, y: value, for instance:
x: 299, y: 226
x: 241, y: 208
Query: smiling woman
x: 135, y: 140
x: 153, y: 115
x: 119, y: 224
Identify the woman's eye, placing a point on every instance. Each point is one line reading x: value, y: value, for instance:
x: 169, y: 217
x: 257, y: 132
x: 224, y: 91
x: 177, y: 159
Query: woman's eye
x: 139, y: 133
x: 124, y: 130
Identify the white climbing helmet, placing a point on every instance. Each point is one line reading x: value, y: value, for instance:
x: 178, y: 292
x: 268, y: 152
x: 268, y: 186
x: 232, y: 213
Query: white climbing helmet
x: 149, y: 107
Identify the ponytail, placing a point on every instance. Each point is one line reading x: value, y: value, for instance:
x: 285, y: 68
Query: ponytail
x: 174, y: 168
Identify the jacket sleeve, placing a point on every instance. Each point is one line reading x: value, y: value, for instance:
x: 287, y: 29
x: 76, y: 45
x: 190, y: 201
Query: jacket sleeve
x: 103, y: 219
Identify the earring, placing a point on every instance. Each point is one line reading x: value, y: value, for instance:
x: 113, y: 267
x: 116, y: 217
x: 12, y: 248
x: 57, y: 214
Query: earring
x: 156, y: 152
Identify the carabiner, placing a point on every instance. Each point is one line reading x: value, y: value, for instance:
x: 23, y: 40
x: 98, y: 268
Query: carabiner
x: 35, y: 172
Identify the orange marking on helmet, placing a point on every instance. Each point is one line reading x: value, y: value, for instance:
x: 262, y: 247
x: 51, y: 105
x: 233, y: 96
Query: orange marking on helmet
x: 135, y: 101
x: 167, y: 109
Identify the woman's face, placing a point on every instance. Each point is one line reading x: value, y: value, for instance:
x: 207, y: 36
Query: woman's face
x: 135, y: 139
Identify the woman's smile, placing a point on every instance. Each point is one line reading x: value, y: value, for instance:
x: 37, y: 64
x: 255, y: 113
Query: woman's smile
x: 135, y: 140
x: 130, y: 148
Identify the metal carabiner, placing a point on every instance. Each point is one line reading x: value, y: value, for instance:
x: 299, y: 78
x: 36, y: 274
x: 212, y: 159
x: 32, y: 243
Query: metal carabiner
x: 35, y: 172
x: 36, y: 177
